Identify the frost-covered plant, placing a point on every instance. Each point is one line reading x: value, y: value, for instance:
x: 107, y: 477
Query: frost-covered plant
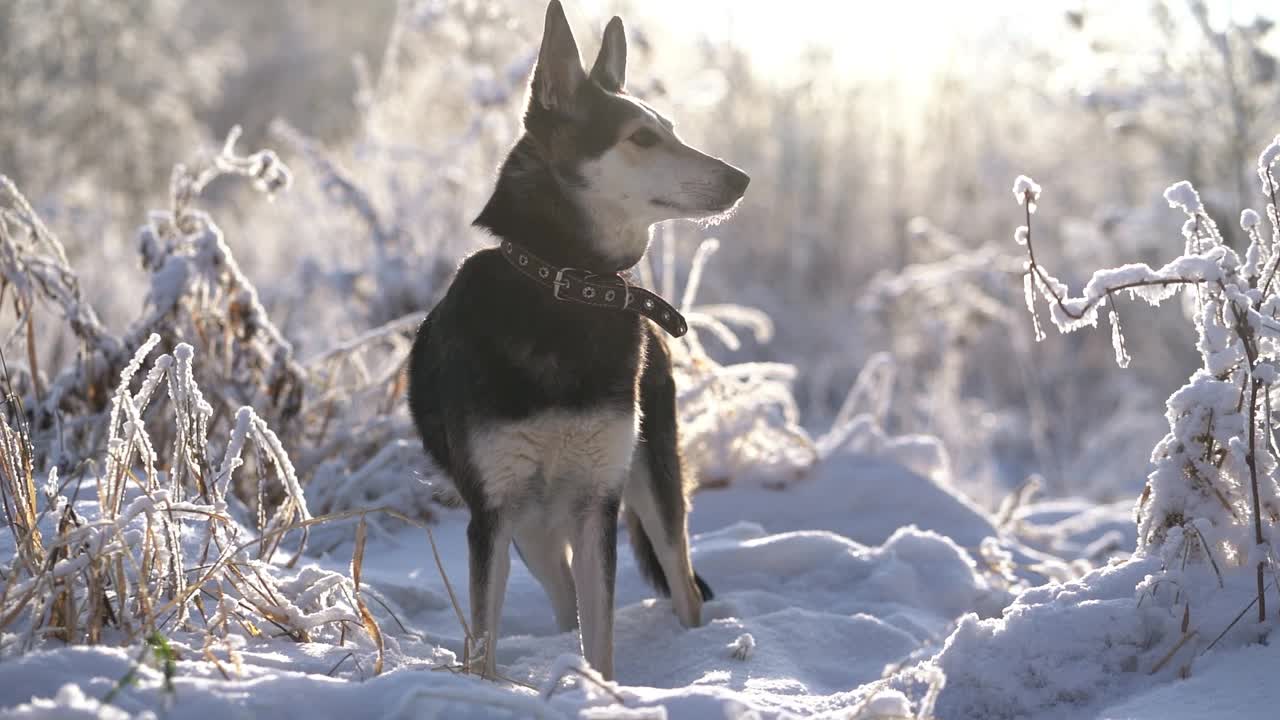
x: 360, y: 447
x: 740, y: 421
x: 142, y: 550
x: 391, y: 209
x: 336, y: 411
x: 736, y: 420
x: 1004, y: 407
x: 34, y: 265
x: 1214, y: 489
x: 197, y: 293
x: 937, y: 315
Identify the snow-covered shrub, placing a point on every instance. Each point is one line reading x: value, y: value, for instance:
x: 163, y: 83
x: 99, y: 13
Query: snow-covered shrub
x: 1213, y: 495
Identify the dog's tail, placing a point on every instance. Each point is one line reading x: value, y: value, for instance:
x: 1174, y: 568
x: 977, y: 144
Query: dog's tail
x: 647, y: 560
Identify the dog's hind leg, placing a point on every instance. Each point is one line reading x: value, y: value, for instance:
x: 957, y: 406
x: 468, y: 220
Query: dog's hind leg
x: 545, y: 551
x: 659, y: 533
x: 595, y: 560
x: 488, y: 544
x: 656, y: 494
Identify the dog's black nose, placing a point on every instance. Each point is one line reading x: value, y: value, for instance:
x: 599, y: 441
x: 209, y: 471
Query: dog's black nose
x: 737, y: 180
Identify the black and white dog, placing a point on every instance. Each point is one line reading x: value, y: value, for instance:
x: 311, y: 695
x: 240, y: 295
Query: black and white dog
x: 541, y: 383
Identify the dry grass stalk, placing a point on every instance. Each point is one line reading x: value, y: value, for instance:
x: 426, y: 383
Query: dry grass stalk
x: 366, y: 617
x: 120, y: 572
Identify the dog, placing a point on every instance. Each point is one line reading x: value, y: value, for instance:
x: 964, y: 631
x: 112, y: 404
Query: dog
x: 541, y: 383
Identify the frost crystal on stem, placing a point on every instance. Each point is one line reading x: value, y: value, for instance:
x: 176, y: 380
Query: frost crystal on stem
x: 1029, y: 295
x: 1027, y: 192
x: 1117, y: 339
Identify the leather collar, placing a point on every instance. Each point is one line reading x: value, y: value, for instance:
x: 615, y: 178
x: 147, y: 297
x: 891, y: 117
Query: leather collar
x: 585, y: 287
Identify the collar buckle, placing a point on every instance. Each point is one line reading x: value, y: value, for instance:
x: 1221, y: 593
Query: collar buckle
x: 561, y: 282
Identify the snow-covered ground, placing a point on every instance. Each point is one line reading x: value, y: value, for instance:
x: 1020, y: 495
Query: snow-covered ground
x: 847, y: 594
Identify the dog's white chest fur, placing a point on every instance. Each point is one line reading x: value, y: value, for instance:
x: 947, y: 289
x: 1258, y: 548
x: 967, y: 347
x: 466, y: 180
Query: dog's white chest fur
x: 554, y: 452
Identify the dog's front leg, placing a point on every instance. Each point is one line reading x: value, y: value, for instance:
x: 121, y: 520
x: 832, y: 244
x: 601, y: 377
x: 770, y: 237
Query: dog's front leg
x: 488, y: 540
x: 595, y: 560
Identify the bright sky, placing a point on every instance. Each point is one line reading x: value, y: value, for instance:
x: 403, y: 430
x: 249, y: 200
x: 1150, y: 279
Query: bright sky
x: 903, y: 37
x: 859, y: 34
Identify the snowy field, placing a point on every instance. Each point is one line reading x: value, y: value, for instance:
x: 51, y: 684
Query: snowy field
x: 861, y: 593
x: 953, y: 462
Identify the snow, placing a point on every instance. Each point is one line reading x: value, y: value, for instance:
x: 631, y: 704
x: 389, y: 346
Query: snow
x: 889, y: 704
x: 740, y: 649
x: 870, y: 587
x: 1057, y: 649
x: 843, y: 592
x: 71, y: 702
x: 1183, y: 196
x: 814, y: 601
x: 1269, y: 155
x: 1248, y: 673
x: 1265, y: 373
x: 1249, y: 219
x: 1027, y: 191
x: 1072, y: 650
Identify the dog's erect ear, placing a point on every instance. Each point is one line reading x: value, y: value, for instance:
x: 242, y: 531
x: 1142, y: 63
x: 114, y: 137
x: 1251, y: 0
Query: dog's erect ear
x: 559, y: 71
x: 610, y: 70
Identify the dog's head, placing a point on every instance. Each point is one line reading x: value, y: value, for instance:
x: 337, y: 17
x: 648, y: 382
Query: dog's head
x: 620, y: 160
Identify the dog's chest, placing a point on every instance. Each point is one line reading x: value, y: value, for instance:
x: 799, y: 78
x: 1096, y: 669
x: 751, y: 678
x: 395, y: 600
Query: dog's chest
x: 554, y: 454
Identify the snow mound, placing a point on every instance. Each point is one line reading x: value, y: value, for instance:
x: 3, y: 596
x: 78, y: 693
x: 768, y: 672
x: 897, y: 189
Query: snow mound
x: 69, y: 703
x: 1133, y: 640
x: 804, y: 621
x: 1247, y: 673
x: 866, y: 498
x: 826, y: 615
x: 1057, y: 649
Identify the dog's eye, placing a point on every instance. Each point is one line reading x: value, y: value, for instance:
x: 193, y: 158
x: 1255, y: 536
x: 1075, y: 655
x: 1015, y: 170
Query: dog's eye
x: 644, y: 137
